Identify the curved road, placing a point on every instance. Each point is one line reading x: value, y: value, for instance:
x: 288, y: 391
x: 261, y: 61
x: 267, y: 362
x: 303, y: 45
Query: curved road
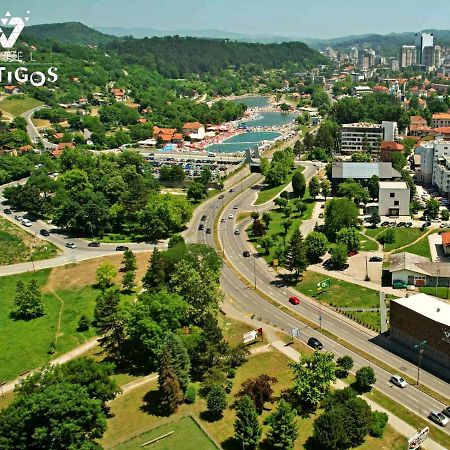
x: 250, y: 303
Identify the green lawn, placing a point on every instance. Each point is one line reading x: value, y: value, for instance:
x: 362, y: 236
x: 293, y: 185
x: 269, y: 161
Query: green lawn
x: 16, y: 105
x: 441, y: 292
x: 267, y: 194
x: 341, y: 293
x: 367, y: 245
x: 25, y: 344
x: 422, y: 247
x: 187, y: 436
x: 369, y: 319
x: 19, y: 246
x: 403, y: 236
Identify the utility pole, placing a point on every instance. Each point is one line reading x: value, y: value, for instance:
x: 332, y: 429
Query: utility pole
x: 437, y: 282
x: 254, y: 268
x: 420, y: 346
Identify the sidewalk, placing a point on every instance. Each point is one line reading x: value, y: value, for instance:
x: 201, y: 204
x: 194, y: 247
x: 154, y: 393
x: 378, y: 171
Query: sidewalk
x: 396, y: 423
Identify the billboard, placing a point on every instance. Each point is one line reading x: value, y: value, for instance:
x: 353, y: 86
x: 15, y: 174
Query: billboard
x: 252, y: 335
x: 415, y: 441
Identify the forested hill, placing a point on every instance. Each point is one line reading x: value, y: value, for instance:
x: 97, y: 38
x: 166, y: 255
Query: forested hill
x: 177, y: 57
x: 68, y: 32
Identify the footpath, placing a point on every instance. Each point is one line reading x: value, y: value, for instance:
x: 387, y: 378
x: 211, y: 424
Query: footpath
x: 395, y: 422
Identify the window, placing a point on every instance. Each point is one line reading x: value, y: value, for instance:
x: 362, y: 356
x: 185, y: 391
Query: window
x: 396, y: 203
x: 392, y: 194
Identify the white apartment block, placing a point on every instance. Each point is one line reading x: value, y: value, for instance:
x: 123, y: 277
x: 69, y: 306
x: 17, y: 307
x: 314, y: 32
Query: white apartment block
x: 353, y: 135
x: 393, y: 198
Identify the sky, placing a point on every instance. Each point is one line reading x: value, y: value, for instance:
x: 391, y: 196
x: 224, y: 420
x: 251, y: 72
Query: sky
x: 290, y: 18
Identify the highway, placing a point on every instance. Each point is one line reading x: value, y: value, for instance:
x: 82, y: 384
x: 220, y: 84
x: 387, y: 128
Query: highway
x: 249, y: 302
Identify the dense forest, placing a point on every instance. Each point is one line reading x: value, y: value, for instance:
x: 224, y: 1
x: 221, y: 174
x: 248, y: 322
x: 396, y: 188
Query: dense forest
x: 177, y: 57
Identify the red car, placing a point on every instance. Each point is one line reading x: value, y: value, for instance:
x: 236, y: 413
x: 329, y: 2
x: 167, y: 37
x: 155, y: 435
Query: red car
x: 352, y: 253
x: 294, y: 300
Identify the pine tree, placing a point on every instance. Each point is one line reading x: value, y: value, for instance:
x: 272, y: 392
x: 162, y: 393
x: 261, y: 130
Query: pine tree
x: 247, y: 429
x: 314, y: 187
x: 170, y: 391
x: 296, y: 259
x: 216, y: 401
x: 155, y: 277
x: 129, y: 261
x: 179, y: 359
x: 283, y: 427
x: 128, y: 283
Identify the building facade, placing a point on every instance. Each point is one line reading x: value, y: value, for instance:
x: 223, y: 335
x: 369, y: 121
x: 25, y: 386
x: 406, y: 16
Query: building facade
x: 393, y: 198
x: 408, y: 56
x: 432, y: 57
x: 423, y: 40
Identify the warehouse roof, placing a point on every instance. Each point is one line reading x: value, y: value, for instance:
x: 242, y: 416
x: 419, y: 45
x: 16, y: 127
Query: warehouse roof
x: 427, y: 306
x: 364, y: 170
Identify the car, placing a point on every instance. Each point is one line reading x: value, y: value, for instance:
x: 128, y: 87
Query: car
x: 376, y: 259
x: 446, y: 411
x: 384, y: 224
x: 401, y: 224
x: 398, y: 381
x: 121, y: 248
x: 44, y: 232
x: 315, y: 343
x: 201, y: 227
x: 203, y: 218
x: 246, y: 254
x: 294, y: 300
x: 408, y: 224
x: 94, y: 244
x: 237, y: 231
x: 26, y: 223
x: 424, y: 225
x: 19, y: 218
x: 71, y: 245
x: 399, y: 284
x: 321, y: 216
x: 439, y: 418
x: 235, y: 206
x: 221, y: 196
x: 223, y: 220
x: 231, y: 190
x: 230, y: 216
x: 322, y: 206
x: 352, y: 253
x: 329, y: 264
x: 208, y: 231
x: 8, y: 211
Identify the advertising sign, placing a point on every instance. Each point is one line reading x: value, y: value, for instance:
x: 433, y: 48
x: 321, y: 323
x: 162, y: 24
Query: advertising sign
x: 415, y: 441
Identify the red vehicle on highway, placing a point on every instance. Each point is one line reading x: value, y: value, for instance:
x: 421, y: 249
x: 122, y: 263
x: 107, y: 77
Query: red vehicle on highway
x: 294, y: 300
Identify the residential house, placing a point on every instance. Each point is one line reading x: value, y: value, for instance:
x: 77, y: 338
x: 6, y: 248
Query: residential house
x: 10, y: 90
x: 195, y: 130
x: 164, y: 134
x: 119, y: 94
x: 388, y: 148
x: 446, y: 242
x: 440, y: 120
x: 442, y: 131
x: 393, y: 198
x: 56, y: 153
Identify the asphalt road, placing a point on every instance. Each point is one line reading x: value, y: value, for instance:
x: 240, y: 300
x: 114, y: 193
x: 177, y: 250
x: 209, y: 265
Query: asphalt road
x: 32, y: 131
x: 250, y: 303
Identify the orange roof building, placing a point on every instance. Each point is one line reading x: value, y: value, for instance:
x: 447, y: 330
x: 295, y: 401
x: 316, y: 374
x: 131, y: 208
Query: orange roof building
x: 388, y: 148
x: 440, y: 120
x: 446, y: 242
x: 418, y: 120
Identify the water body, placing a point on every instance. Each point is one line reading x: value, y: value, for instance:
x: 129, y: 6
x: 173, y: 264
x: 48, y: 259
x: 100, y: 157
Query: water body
x: 253, y: 102
x: 242, y: 141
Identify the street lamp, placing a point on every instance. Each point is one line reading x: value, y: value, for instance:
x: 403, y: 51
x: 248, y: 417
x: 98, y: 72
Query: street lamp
x: 254, y: 268
x: 420, y: 346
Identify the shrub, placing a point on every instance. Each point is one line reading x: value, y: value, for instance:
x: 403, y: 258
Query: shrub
x: 231, y: 373
x: 191, y: 394
x: 380, y: 420
x: 83, y: 323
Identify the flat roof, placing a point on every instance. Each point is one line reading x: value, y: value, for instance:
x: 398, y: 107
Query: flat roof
x: 427, y: 306
x: 393, y: 185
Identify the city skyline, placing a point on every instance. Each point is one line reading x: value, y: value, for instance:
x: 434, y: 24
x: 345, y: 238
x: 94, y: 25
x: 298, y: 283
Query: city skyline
x: 288, y: 18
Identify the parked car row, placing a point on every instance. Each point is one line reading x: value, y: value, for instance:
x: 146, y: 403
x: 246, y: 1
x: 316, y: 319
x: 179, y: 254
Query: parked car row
x: 396, y: 224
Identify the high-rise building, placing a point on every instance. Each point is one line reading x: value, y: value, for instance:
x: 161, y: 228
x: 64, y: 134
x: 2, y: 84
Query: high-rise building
x: 432, y: 56
x: 366, y: 59
x: 408, y: 56
x: 423, y: 40
x: 394, y: 64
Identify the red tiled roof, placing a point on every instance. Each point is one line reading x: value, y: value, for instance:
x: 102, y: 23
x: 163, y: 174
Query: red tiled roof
x: 178, y: 136
x: 192, y: 126
x: 414, y: 127
x: 418, y: 120
x: 391, y: 145
x: 64, y: 145
x: 142, y: 120
x: 442, y: 130
x: 441, y: 116
x: 380, y: 89
x: 446, y: 239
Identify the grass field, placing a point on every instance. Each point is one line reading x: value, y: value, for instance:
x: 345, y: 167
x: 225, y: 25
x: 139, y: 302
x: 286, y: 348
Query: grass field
x: 17, y: 104
x: 19, y: 246
x: 367, y: 245
x: 187, y: 435
x: 441, y: 292
x: 41, y: 123
x: 341, y: 293
x: 403, y: 236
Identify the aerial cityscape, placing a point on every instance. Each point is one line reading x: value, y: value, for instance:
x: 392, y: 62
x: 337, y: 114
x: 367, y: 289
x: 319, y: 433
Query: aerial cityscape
x: 224, y: 225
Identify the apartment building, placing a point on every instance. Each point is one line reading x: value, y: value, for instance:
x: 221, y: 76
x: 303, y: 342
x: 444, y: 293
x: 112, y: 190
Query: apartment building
x: 440, y: 120
x: 393, y: 198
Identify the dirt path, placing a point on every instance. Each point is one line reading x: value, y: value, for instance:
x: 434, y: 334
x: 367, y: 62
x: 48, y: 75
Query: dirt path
x: 370, y: 238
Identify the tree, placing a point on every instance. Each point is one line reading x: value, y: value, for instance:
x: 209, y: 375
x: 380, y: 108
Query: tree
x: 105, y: 274
x: 339, y: 213
x: 28, y: 301
x: 258, y: 228
x: 281, y: 202
x: 365, y: 378
x: 344, y: 365
x: 84, y: 323
x: 61, y: 416
x: 325, y: 188
x: 349, y: 237
x: 247, y: 429
x: 266, y: 218
x: 170, y: 393
x: 353, y: 190
x: 432, y: 208
x: 128, y: 281
x: 445, y: 214
x: 308, y: 141
x: 361, y: 157
x: 388, y: 236
x: 358, y: 419
x: 373, y: 185
x: 266, y: 243
x: 380, y: 420
x: 283, y: 427
x: 298, y: 183
x: 254, y: 215
x: 313, y: 375
x: 216, y: 401
x: 129, y: 261
x: 196, y: 191
x: 374, y: 219
x: 399, y: 161
x: 300, y: 205
x: 314, y: 187
x: 339, y: 256
x: 259, y: 389
x: 296, y: 254
x: 329, y: 430
x: 316, y: 244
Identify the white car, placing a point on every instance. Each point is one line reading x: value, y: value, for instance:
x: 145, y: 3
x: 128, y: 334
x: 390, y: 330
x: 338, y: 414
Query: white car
x: 438, y: 418
x: 71, y: 245
x: 230, y: 216
x: 235, y: 206
x: 26, y: 223
x: 237, y: 231
x: 398, y: 381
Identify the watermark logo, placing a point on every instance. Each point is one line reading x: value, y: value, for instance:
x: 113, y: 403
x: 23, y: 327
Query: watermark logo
x: 18, y: 23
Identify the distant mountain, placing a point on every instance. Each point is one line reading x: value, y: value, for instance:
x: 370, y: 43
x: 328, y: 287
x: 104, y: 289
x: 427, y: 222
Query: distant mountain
x: 68, y: 32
